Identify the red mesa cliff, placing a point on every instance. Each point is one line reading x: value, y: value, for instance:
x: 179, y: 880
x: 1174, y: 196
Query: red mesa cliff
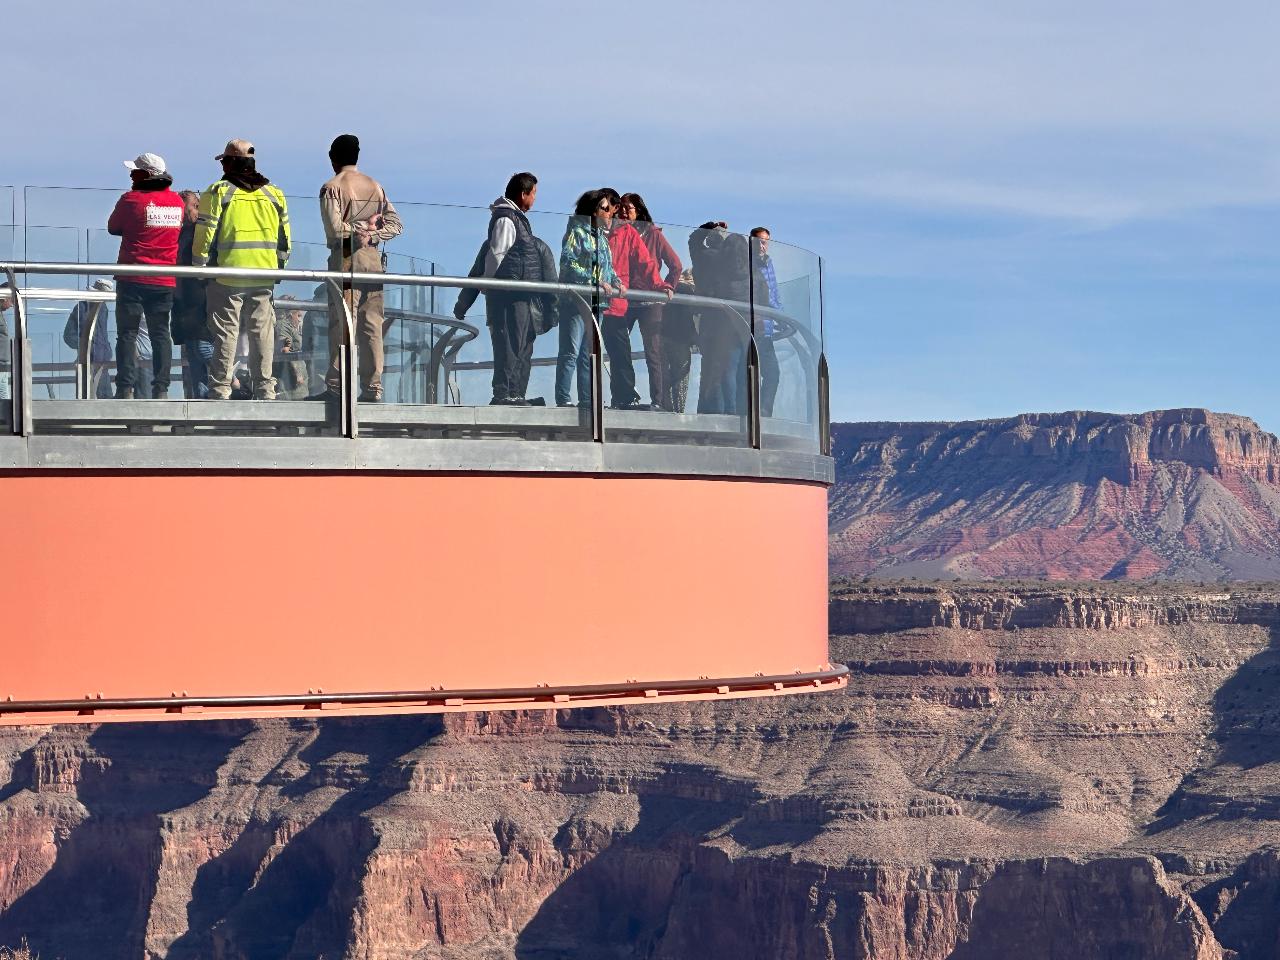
x: 1183, y: 494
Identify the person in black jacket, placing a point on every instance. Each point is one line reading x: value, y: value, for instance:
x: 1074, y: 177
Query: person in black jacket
x: 189, y: 326
x: 721, y: 269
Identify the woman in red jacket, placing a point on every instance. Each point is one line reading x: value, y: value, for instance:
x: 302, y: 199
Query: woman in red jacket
x: 667, y: 331
x: 637, y: 270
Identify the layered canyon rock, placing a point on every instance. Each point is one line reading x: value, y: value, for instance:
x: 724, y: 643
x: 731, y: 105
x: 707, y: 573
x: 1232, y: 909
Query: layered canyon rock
x: 1179, y: 494
x: 1040, y: 771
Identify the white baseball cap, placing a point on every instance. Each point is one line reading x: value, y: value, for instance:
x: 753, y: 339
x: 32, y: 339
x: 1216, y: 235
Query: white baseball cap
x: 148, y: 163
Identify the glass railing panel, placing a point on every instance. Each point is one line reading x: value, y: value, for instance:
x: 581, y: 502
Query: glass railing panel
x: 700, y: 346
x: 9, y: 251
x: 688, y: 358
x: 452, y: 240
x: 416, y: 334
x: 6, y: 356
x: 84, y: 208
x: 662, y: 334
x: 789, y: 339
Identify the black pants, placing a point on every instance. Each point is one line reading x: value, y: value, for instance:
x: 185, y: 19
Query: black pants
x: 616, y: 332
x: 512, y: 333
x: 668, y: 352
x: 133, y: 302
x: 769, y: 374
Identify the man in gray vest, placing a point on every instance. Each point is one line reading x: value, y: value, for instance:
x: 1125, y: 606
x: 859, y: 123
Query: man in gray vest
x: 513, y: 254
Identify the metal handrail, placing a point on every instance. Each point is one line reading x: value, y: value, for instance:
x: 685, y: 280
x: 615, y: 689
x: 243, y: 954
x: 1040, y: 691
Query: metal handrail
x: 335, y: 279
x: 97, y: 298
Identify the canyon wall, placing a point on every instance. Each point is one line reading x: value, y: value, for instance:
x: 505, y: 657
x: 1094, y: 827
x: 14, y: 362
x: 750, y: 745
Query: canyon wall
x: 1047, y: 771
x: 1179, y: 494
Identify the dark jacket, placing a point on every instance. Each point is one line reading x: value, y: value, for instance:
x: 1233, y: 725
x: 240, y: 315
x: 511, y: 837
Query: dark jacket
x: 189, y: 317
x: 522, y: 261
x: 545, y: 308
x: 721, y: 264
x: 99, y: 346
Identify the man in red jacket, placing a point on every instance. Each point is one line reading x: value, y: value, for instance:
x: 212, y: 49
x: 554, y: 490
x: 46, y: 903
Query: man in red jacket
x: 147, y: 220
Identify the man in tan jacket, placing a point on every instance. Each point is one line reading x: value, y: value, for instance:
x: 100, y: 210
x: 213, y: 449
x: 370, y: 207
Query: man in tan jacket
x: 358, y: 219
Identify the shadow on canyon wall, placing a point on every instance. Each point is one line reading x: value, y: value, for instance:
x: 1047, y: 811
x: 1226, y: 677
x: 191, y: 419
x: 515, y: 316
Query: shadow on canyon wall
x: 302, y: 902
x: 92, y: 904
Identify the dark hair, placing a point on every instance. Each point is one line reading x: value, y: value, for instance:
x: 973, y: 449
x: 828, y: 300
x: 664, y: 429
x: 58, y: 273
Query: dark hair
x: 519, y: 185
x: 586, y: 205
x: 610, y: 194
x: 756, y: 231
x: 637, y: 201
x: 345, y: 149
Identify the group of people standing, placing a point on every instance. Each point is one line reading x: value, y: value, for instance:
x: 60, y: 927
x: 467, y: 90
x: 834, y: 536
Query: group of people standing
x: 241, y: 221
x: 611, y: 245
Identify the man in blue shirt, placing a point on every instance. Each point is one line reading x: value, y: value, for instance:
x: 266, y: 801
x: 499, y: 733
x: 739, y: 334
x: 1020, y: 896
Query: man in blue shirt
x: 766, y: 295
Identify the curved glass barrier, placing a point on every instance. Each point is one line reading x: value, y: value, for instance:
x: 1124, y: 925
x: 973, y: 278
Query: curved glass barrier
x: 788, y: 324
x: 9, y: 249
x: 663, y: 369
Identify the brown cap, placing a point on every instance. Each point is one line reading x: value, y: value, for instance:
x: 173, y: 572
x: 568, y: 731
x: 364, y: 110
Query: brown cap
x: 236, y: 148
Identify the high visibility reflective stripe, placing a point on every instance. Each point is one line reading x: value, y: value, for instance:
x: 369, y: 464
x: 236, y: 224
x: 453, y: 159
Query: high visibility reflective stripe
x: 251, y: 245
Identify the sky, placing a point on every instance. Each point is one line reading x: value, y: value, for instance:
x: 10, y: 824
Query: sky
x: 1021, y: 206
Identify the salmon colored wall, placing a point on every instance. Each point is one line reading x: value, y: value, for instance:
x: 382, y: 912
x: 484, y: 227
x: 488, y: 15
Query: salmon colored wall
x: 138, y: 585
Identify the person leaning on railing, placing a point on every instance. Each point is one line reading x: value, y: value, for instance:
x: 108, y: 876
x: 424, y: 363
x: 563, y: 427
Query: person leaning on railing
x: 243, y: 222
x: 667, y: 332
x: 289, y: 369
x: 99, y: 358
x: 585, y: 261
x: 720, y: 267
x: 636, y: 269
x: 765, y: 288
x: 358, y: 218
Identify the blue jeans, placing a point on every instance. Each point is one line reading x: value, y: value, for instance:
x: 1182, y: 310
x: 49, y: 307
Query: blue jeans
x: 575, y: 354
x: 198, y: 354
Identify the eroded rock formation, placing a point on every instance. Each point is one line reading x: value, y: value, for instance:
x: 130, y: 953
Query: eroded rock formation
x: 1049, y: 772
x: 1185, y: 494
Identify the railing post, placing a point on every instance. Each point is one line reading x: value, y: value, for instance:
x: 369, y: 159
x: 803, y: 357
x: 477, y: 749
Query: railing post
x: 753, y: 354
x: 348, y: 375
x: 753, y: 394
x: 824, y: 406
x: 20, y: 407
x: 84, y: 351
x: 589, y: 312
x: 28, y: 427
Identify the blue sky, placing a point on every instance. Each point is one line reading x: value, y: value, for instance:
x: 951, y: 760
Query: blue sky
x: 1022, y: 206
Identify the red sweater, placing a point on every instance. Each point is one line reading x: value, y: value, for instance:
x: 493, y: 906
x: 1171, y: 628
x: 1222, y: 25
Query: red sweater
x: 633, y: 263
x: 148, y: 223
x: 662, y: 251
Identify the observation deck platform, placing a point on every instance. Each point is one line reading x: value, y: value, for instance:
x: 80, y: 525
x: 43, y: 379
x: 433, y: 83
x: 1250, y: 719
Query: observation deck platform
x: 193, y: 559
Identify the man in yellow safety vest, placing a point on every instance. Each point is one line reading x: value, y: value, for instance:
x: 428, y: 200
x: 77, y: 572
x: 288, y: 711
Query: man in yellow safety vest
x: 243, y: 222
